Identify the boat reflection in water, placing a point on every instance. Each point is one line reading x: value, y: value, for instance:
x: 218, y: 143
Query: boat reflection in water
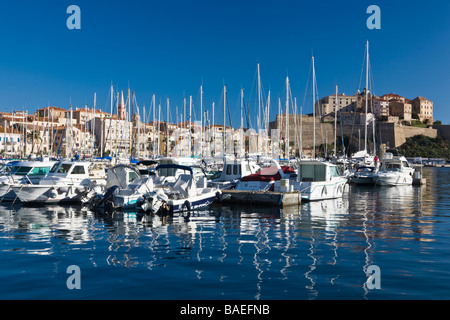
x: 318, y: 250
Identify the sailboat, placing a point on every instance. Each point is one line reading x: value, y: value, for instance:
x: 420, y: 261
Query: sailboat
x: 366, y: 166
x: 318, y: 180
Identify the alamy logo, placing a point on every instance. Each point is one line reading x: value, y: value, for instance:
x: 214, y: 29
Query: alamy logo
x: 74, y: 281
x: 374, y: 277
x: 374, y: 21
x: 74, y: 21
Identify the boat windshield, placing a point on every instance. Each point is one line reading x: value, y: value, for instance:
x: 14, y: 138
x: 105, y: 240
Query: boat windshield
x: 392, y: 167
x: 311, y: 172
x: 64, y: 168
x: 20, y: 170
x: 55, y: 166
x: 334, y: 172
x: 39, y: 171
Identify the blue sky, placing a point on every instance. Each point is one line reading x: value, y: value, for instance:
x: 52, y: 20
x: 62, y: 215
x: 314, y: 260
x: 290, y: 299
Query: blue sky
x: 169, y: 48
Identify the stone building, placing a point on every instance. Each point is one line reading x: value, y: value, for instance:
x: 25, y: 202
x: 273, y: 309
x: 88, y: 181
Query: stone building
x: 327, y: 104
x: 400, y: 109
x: 423, y: 108
x: 380, y: 108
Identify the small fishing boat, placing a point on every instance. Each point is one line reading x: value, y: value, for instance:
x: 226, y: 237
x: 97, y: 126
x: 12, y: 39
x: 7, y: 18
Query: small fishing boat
x: 127, y: 189
x: 264, y: 180
x: 124, y: 189
x: 67, y: 181
x: 318, y: 180
x: 26, y: 172
x: 232, y: 172
x: 185, y: 194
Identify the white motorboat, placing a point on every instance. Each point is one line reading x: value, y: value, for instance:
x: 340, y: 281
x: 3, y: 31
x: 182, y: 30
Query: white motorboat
x: 364, y: 175
x: 67, y: 181
x: 264, y: 180
x: 319, y: 180
x: 233, y: 171
x: 394, y: 171
x: 125, y: 188
x: 26, y: 172
x: 185, y: 194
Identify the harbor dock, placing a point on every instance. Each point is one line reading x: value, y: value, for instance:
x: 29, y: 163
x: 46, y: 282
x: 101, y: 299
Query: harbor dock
x: 268, y: 198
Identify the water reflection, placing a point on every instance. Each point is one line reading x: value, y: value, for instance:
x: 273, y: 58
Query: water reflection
x: 240, y: 252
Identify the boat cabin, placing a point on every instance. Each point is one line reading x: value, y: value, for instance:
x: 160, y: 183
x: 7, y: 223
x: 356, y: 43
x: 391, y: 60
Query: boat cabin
x: 31, y: 168
x: 313, y: 171
x: 236, y: 169
x: 71, y: 169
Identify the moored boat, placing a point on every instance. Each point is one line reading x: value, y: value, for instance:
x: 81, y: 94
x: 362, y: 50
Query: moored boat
x: 318, y: 180
x: 67, y: 181
x: 26, y: 172
x: 394, y: 171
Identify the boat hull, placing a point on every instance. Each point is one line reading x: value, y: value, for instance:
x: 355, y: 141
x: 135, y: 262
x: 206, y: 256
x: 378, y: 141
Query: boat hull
x: 364, y: 180
x: 193, y: 203
x: 321, y: 190
x: 7, y: 193
x: 387, y: 179
x: 48, y: 194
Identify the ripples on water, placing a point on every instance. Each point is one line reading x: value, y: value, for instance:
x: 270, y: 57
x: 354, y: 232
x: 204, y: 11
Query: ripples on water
x: 318, y: 251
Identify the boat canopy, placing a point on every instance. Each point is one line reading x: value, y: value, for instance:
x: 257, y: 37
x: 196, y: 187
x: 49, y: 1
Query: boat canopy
x: 268, y: 174
x: 166, y: 168
x: 121, y: 175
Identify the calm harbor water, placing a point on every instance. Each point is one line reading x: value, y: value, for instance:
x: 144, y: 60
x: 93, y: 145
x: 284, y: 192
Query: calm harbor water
x: 318, y: 251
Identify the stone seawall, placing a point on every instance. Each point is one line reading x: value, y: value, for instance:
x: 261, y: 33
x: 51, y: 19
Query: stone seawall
x: 388, y: 133
x: 443, y: 131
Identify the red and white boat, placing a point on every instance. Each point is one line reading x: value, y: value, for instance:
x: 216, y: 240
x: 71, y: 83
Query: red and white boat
x: 264, y: 180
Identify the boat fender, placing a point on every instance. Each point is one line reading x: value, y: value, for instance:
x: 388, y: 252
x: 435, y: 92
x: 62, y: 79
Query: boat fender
x: 219, y: 196
x: 187, y: 205
x: 53, y: 193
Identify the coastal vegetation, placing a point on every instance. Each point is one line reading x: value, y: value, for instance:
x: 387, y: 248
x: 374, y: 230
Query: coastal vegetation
x: 425, y: 147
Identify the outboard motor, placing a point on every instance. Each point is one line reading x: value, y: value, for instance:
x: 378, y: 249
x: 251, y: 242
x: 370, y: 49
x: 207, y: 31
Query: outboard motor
x: 108, y: 198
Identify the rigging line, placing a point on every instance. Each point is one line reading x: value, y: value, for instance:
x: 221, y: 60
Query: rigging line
x: 229, y: 113
x: 247, y: 111
x: 307, y: 85
x: 319, y: 108
x: 362, y: 69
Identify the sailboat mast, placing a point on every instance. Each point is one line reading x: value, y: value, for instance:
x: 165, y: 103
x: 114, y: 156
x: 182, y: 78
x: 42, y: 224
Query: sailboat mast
x: 213, y: 131
x: 224, y: 117
x: 159, y: 128
x: 286, y: 139
x: 190, y: 128
x: 241, y: 136
x: 154, y: 127
x: 335, y: 121
x: 167, y: 129
x: 266, y: 127
x: 367, y: 93
x: 280, y: 124
x: 201, y: 121
x: 259, y: 105
x: 314, y: 107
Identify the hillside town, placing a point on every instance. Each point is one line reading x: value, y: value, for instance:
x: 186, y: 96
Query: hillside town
x: 89, y: 132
